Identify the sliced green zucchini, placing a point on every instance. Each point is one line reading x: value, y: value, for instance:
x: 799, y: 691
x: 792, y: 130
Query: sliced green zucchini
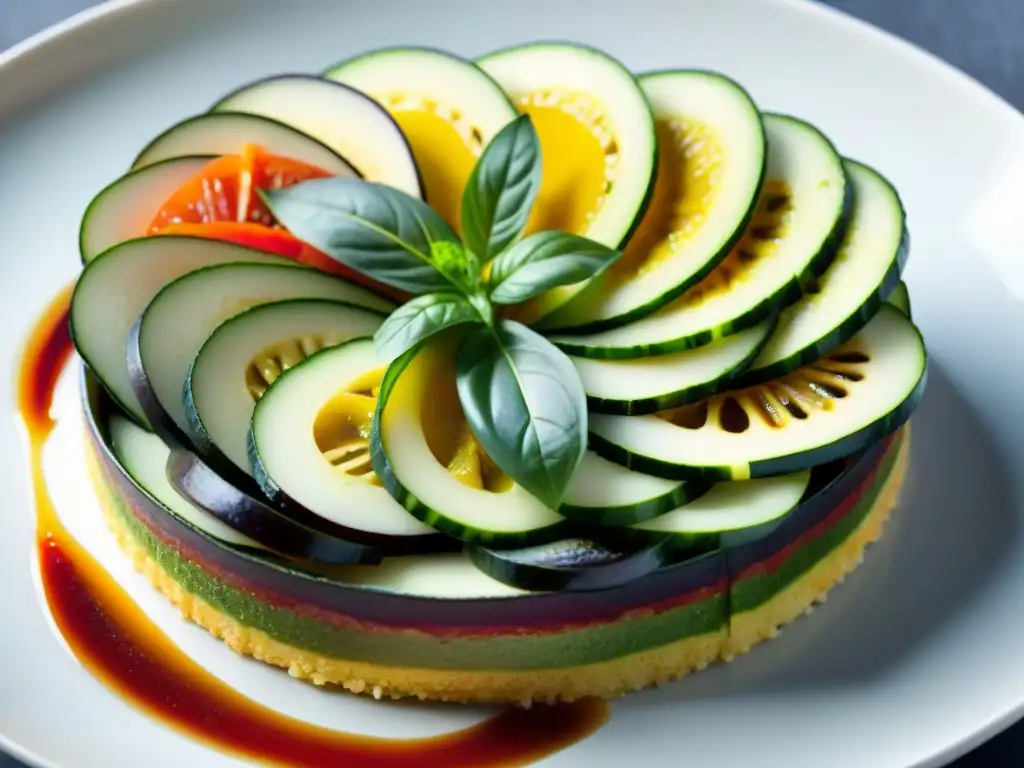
x: 346, y: 120
x: 190, y: 477
x: 570, y: 565
x: 134, y: 272
x: 598, y: 143
x: 447, y: 107
x: 144, y: 456
x: 711, y: 163
x: 423, y: 453
x: 124, y: 209
x: 604, y: 493
x: 309, y: 445
x: 649, y: 384
x: 226, y: 133
x: 900, y: 298
x: 829, y: 409
x: 841, y: 301
x: 245, y: 355
x: 732, y: 512
x: 795, y: 232
x: 166, y: 338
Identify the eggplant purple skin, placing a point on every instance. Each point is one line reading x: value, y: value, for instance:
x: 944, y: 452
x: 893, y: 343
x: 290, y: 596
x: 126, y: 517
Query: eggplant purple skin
x: 194, y: 480
x: 391, y: 546
x: 307, y: 76
x: 163, y: 425
x: 571, y: 564
x: 283, y: 582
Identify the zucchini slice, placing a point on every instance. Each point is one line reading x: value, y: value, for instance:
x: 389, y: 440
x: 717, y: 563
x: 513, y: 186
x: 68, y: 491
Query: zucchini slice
x: 831, y: 408
x: 649, y: 384
x: 731, y: 513
x: 846, y: 296
x: 447, y: 107
x: 606, y: 494
x: 598, y: 143
x: 166, y: 338
x: 309, y: 445
x: 423, y: 453
x: 225, y: 133
x: 795, y: 232
x: 125, y: 207
x: 244, y: 356
x: 900, y: 298
x: 570, y: 565
x: 346, y: 120
x: 190, y: 477
x: 134, y: 272
x: 711, y: 164
x: 144, y: 457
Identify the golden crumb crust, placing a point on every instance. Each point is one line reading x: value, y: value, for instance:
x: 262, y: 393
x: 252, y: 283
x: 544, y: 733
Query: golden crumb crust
x: 607, y: 679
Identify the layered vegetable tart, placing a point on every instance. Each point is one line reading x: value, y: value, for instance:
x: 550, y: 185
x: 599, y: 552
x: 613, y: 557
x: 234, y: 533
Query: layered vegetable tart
x: 519, y: 379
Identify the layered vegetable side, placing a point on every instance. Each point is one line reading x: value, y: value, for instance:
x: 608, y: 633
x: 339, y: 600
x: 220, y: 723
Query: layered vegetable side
x: 533, y: 321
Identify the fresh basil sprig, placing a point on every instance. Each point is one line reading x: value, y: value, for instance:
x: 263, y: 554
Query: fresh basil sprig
x: 543, y: 261
x: 526, y: 406
x: 522, y: 397
x: 421, y: 318
x: 502, y: 189
x: 377, y: 230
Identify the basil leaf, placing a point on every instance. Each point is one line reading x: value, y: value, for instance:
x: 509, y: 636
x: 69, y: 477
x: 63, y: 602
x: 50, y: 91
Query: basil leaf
x: 525, y: 405
x: 419, y: 319
x: 460, y: 266
x: 501, y: 189
x: 543, y: 261
x: 374, y: 229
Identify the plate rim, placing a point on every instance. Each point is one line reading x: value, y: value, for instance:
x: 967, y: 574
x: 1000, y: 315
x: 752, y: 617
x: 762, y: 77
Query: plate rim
x: 68, y: 33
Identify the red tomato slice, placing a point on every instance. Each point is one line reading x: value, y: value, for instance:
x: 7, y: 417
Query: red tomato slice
x: 280, y: 242
x: 211, y: 195
x: 262, y: 170
x: 225, y: 190
x: 221, y: 203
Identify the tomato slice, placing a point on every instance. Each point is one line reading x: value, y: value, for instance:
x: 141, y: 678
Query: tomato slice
x: 221, y: 203
x: 211, y: 195
x: 280, y: 242
x: 225, y: 190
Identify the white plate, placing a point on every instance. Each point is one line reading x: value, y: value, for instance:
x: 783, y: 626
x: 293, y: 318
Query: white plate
x: 912, y: 661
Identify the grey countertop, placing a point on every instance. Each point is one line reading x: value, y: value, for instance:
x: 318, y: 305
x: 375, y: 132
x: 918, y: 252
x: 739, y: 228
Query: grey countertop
x: 984, y: 38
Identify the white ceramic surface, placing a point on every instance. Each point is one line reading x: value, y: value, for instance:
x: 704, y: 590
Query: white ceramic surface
x: 910, y: 662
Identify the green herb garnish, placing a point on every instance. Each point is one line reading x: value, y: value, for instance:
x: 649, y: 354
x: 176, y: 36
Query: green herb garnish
x: 522, y: 397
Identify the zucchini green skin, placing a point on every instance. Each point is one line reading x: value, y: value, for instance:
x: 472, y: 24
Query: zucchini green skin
x: 843, y: 332
x: 87, y: 254
x: 211, y: 453
x: 237, y: 509
x: 645, y: 201
x: 583, y: 564
x: 390, y: 546
x: 425, y: 514
x: 630, y: 514
x: 645, y: 405
x: 900, y: 298
x: 201, y: 442
x: 853, y: 324
x: 769, y: 305
x: 724, y: 250
x: 780, y: 465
